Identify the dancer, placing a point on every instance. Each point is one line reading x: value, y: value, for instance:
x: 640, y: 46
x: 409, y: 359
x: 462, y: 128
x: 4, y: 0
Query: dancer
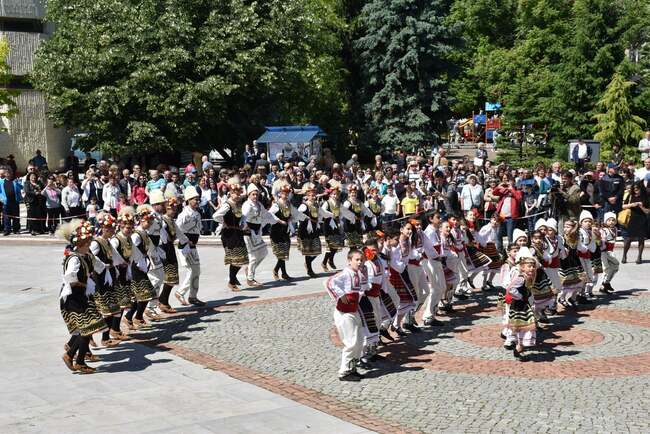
x: 399, y: 279
x: 332, y: 226
x: 170, y: 263
x: 345, y: 288
x: 610, y: 263
x: 123, y: 248
x: 521, y: 319
x: 77, y: 306
x: 586, y: 247
x: 449, y: 267
x: 382, y: 303
x: 554, y: 251
x: 285, y: 212
x: 508, y: 269
x: 487, y: 238
x: 354, y: 212
x: 542, y: 289
x: 373, y: 204
x: 157, y: 256
x: 309, y: 227
x: 433, y: 269
x: 571, y: 270
x: 229, y: 216
x: 415, y: 271
x: 476, y: 261
x: 188, y: 223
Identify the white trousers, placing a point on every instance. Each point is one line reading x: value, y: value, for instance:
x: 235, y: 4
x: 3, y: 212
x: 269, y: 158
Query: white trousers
x: 554, y: 276
x: 610, y: 265
x: 589, y: 273
x: 256, y: 254
x: 192, y: 266
x: 437, y: 286
x: 348, y: 326
x: 156, y: 277
x: 419, y: 281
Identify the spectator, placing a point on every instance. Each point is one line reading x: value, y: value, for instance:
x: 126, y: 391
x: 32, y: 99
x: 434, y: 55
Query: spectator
x: 71, y: 200
x: 262, y: 162
x: 471, y: 196
x: 11, y: 195
x: 644, y: 146
x: 35, y: 203
x: 125, y: 183
x: 139, y: 192
x: 156, y: 182
x: 38, y: 160
x: 206, y: 165
x: 52, y: 195
x: 643, y: 174
x: 610, y: 191
x: 410, y: 202
x: 581, y: 155
x: 91, y: 185
x: 111, y: 196
x: 508, y: 208
x: 89, y: 161
x: 11, y: 162
x: 636, y: 200
x: 249, y: 156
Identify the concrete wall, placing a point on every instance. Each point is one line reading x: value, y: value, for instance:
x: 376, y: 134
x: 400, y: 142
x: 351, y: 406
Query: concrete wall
x: 30, y: 129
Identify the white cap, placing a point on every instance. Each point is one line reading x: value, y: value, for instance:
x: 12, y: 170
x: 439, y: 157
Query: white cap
x: 156, y: 196
x: 551, y: 224
x: 251, y: 188
x: 539, y: 223
x: 525, y: 253
x: 518, y: 233
x: 585, y: 215
x: 609, y: 215
x: 190, y: 192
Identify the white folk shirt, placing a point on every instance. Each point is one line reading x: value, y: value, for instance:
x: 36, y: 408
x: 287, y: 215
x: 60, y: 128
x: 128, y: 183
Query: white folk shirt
x: 189, y: 221
x: 644, y: 147
x: 486, y: 235
x: 255, y: 213
x: 431, y: 243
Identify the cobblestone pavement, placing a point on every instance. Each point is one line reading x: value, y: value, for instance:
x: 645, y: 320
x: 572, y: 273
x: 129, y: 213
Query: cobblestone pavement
x: 590, y: 374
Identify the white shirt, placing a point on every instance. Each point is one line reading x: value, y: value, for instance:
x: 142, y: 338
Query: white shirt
x: 582, y: 151
x: 110, y: 195
x: 389, y: 204
x: 644, y: 147
x: 471, y: 195
x: 70, y: 197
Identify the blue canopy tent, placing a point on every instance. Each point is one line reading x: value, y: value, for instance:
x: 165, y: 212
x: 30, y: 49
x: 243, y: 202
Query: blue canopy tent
x: 292, y: 141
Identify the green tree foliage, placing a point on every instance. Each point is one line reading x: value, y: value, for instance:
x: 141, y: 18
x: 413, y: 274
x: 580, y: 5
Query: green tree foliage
x: 7, y: 96
x: 615, y: 123
x: 192, y: 74
x: 405, y: 50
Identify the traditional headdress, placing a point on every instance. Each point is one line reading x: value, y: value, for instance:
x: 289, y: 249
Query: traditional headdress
x: 190, y: 193
x: 126, y: 215
x: 105, y: 220
x: 75, y: 232
x: 145, y: 212
x: 585, y: 215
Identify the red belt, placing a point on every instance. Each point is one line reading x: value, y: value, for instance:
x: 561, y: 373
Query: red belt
x: 553, y: 263
x: 584, y: 255
x: 610, y: 247
x: 374, y: 291
x: 414, y: 262
x: 351, y: 306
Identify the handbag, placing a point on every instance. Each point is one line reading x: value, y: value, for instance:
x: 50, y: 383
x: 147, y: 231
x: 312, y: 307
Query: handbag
x: 625, y: 215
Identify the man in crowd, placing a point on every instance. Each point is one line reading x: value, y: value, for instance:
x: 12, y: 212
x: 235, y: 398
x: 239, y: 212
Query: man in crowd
x: 10, y: 198
x: 644, y: 146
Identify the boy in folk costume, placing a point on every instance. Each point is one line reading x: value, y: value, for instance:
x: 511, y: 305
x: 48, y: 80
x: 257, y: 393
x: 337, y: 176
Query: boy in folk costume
x: 552, y: 254
x: 281, y: 232
x: 255, y: 217
x: 449, y: 267
x: 354, y: 213
x: 309, y: 227
x: 610, y: 263
x: 475, y: 261
x: 106, y: 296
x: 415, y: 271
x: 596, y: 256
x: 586, y: 247
x: 458, y: 246
x: 487, y: 238
x: 369, y: 318
x: 509, y: 269
x: 189, y: 225
x: 399, y: 279
x: 75, y: 299
x: 229, y: 216
x: 389, y: 296
x: 170, y: 267
x: 345, y: 288
x: 433, y: 268
x: 157, y: 236
x: 521, y: 319
x: 571, y: 271
x: 123, y: 261
x: 332, y: 225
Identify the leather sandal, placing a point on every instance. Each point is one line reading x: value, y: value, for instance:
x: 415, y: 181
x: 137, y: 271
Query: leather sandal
x: 275, y: 275
x: 140, y: 324
x: 68, y: 361
x: 152, y: 315
x: 234, y: 288
x: 166, y: 308
x: 90, y: 357
x: 119, y: 336
x: 181, y: 299
x: 110, y: 343
x: 84, y: 369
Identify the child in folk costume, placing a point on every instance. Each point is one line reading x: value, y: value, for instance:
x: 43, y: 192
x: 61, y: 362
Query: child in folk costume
x: 256, y: 217
x: 475, y: 261
x: 389, y: 295
x: 106, y: 296
x: 449, y: 266
x: 399, y: 279
x: 507, y: 270
x: 170, y: 263
x: 309, y: 227
x: 521, y: 319
x: 143, y: 249
x: 156, y: 235
x: 280, y: 234
x: 354, y: 212
x: 458, y: 247
x: 75, y: 300
x: 229, y: 216
x: 189, y: 226
x: 433, y: 256
x: 332, y: 225
x: 345, y: 288
x: 596, y: 256
x: 123, y: 252
x: 586, y: 248
x: 610, y: 263
x: 382, y: 302
x: 571, y: 271
x: 542, y: 289
x: 415, y: 271
x: 374, y: 206
x: 552, y: 254
x: 487, y: 238
x: 369, y: 318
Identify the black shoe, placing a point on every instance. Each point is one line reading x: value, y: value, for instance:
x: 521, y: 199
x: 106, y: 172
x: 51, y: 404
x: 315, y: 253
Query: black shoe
x: 502, y: 336
x: 287, y: 277
x: 384, y: 333
x: 448, y: 308
x: 470, y: 283
x: 350, y: 377
x: 581, y: 299
x: 511, y: 346
x: 543, y: 319
x: 399, y: 332
x: 332, y: 266
x: 518, y: 355
x: 571, y: 302
x: 376, y: 357
x: 359, y: 376
x: 412, y: 328
x: 639, y: 261
x: 196, y: 302
x: 433, y: 322
x: 606, y: 288
x: 363, y: 364
x: 461, y: 296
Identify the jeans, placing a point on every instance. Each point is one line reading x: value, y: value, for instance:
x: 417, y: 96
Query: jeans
x: 11, y: 224
x: 507, y: 226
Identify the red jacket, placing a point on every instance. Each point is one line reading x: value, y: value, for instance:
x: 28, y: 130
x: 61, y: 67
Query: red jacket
x: 505, y: 193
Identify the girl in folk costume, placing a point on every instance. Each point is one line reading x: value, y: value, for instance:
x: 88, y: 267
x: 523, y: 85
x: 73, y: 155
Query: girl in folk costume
x: 374, y: 206
x: 416, y: 273
x: 596, y: 256
x: 75, y: 300
x: 571, y: 272
x: 170, y: 266
x: 487, y: 238
x: 281, y: 232
x: 586, y: 248
x: 123, y: 252
x: 521, y: 319
x: 106, y: 296
x: 458, y: 246
x: 432, y: 264
x: 449, y: 266
x: 398, y: 248
x: 229, y: 216
x: 389, y: 296
x: 552, y: 254
x: 345, y: 288
x: 332, y: 225
x: 143, y: 249
x: 542, y: 290
x: 369, y: 321
x: 354, y: 213
x: 188, y: 225
x: 382, y: 302
x: 610, y: 263
x: 507, y: 270
x: 308, y: 229
x: 255, y: 217
x: 475, y: 261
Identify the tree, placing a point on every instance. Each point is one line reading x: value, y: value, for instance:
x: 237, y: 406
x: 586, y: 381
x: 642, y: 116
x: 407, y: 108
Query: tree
x: 405, y: 51
x: 7, y: 96
x: 616, y: 124
x: 151, y: 75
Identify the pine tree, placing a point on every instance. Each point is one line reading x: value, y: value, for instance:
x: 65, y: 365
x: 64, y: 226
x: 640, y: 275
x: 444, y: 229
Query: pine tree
x: 616, y: 122
x: 405, y: 63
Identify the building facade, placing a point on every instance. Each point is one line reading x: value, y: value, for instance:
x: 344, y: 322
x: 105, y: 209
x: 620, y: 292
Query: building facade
x: 21, y: 23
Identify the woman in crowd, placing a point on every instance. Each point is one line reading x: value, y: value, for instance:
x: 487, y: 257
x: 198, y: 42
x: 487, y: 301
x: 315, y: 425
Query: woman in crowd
x: 35, y: 203
x: 635, y: 199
